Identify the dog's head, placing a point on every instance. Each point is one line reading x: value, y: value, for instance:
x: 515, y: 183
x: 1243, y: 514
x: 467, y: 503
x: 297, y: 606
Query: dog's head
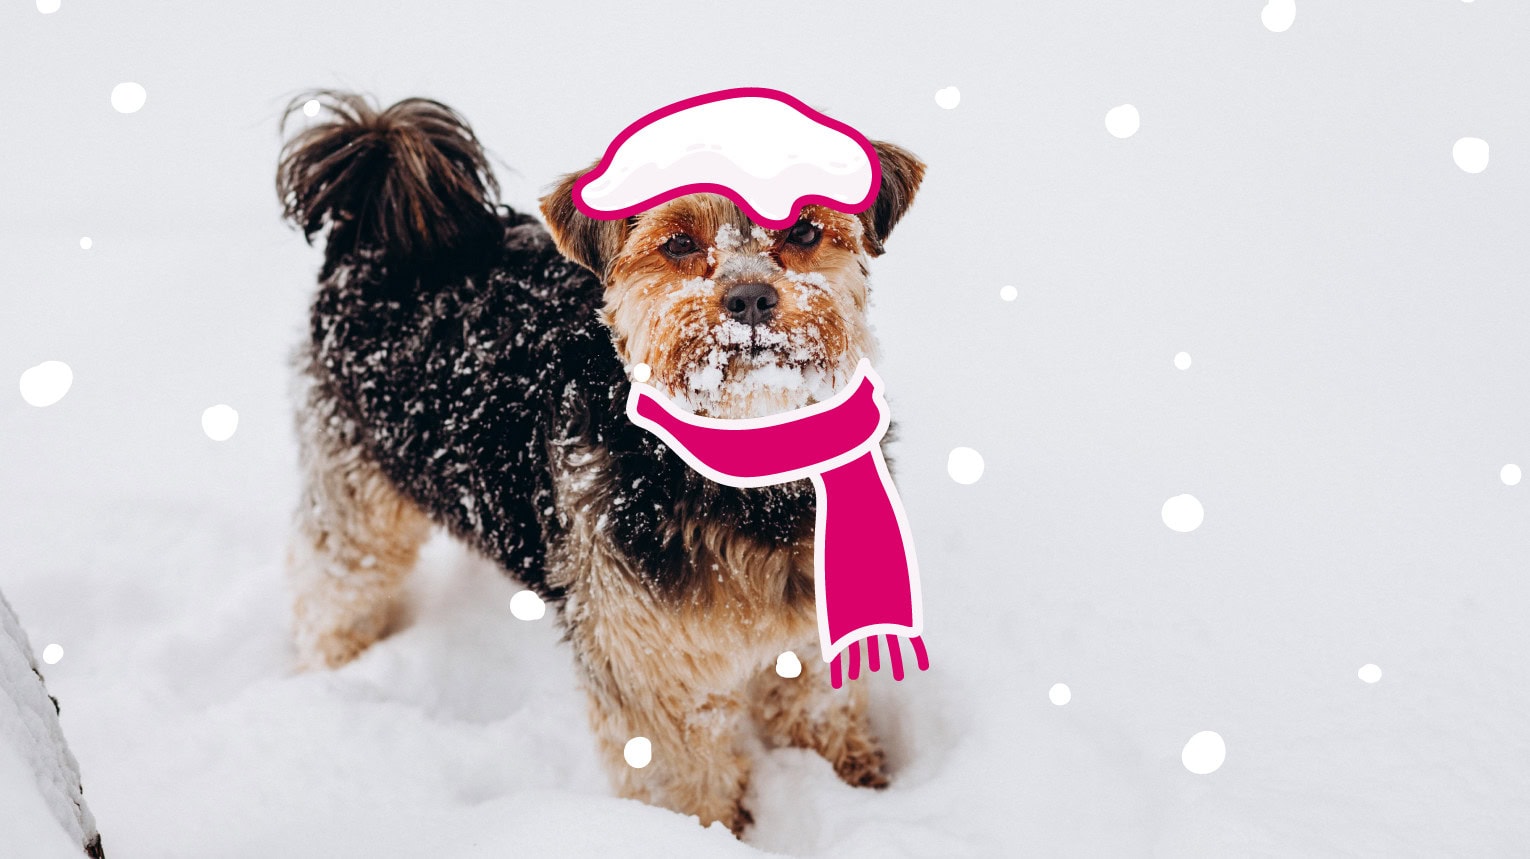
x: 732, y: 319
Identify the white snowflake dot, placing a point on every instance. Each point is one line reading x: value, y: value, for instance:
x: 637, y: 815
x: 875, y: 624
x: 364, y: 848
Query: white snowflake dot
x: 526, y: 605
x: 1471, y: 154
x: 1510, y: 474
x: 85, y: 243
x: 311, y: 107
x: 1370, y: 673
x: 1123, y: 121
x: 1008, y: 293
x: 129, y: 97
x: 46, y: 384
x: 219, y: 422
x: 1204, y: 753
x: 1182, y: 360
x: 52, y: 654
x: 638, y: 752
x: 641, y: 372
x: 47, y: 7
x: 1183, y: 513
x: 788, y: 665
x: 1060, y: 694
x: 1278, y: 15
x: 948, y: 97
x: 965, y: 465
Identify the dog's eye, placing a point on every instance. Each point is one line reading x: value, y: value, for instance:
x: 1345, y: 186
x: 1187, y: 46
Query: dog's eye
x: 804, y: 234
x: 679, y: 245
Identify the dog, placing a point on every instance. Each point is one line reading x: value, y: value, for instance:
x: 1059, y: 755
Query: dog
x: 468, y: 367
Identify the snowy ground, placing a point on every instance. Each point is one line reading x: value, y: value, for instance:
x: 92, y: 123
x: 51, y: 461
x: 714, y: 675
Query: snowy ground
x: 1288, y: 214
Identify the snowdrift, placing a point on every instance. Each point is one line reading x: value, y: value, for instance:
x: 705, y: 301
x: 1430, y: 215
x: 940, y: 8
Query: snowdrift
x: 45, y: 811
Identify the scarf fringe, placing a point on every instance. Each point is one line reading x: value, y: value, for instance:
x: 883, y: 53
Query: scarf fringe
x: 852, y: 655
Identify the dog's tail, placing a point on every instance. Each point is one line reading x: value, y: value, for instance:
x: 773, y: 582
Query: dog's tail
x: 412, y: 180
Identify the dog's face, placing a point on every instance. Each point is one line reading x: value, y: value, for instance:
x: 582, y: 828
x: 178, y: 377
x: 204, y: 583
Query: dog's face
x: 732, y: 319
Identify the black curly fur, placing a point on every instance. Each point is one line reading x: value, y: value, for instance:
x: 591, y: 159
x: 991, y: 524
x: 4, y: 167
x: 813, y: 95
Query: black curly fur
x: 412, y: 177
x: 459, y: 370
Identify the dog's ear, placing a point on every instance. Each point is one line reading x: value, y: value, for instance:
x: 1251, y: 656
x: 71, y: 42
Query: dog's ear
x: 588, y: 241
x: 901, y: 174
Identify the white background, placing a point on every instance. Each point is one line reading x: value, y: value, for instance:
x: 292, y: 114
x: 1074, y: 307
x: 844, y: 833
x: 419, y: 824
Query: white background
x: 1289, y: 214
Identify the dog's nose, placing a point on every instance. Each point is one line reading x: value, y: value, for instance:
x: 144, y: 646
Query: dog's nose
x: 751, y: 303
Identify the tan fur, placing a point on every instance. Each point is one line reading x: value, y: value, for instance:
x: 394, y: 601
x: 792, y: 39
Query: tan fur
x: 667, y: 312
x: 687, y: 675
x: 355, y: 540
x: 806, y: 712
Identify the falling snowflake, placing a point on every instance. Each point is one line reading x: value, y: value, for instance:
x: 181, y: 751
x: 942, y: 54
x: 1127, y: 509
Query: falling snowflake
x: 220, y: 422
x: 1204, y: 753
x: 47, y: 383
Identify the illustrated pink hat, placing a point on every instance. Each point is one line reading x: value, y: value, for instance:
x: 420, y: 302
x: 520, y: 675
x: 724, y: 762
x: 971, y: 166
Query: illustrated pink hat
x: 763, y: 149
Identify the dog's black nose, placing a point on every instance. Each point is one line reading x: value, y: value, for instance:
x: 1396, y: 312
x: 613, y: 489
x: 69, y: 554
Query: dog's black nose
x: 751, y: 303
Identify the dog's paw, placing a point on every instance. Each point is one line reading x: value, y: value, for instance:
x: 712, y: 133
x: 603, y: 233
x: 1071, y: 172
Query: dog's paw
x: 329, y: 636
x: 863, y: 765
x: 742, y: 820
x: 318, y: 650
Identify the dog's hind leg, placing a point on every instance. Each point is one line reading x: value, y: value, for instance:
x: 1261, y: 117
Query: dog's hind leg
x: 354, y: 542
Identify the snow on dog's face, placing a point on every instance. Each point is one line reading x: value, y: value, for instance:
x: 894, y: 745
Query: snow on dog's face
x: 735, y: 320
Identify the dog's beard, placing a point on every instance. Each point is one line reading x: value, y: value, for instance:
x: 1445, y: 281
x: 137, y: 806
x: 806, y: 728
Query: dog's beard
x: 750, y: 371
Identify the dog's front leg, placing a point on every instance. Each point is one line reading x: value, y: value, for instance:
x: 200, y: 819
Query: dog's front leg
x: 806, y: 711
x: 642, y: 686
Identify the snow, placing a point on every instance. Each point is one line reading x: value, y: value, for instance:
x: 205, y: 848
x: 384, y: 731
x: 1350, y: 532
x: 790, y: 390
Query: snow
x: 46, y: 383
x: 1204, y: 753
x: 788, y: 665
x: 805, y: 284
x: 1278, y: 15
x: 1060, y: 694
x: 29, y: 822
x: 1183, y: 513
x: 39, y: 779
x: 948, y: 97
x: 220, y: 422
x: 1360, y: 347
x: 638, y: 752
x: 1122, y: 121
x: 767, y: 369
x: 129, y: 97
x: 526, y: 605
x: 965, y: 465
x: 728, y: 238
x: 1470, y: 154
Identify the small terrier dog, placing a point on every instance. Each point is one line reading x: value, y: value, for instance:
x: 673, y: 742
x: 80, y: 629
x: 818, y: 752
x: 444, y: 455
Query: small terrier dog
x: 468, y: 367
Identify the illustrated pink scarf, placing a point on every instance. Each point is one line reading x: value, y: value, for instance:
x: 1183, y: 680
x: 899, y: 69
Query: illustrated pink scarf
x: 863, y: 556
